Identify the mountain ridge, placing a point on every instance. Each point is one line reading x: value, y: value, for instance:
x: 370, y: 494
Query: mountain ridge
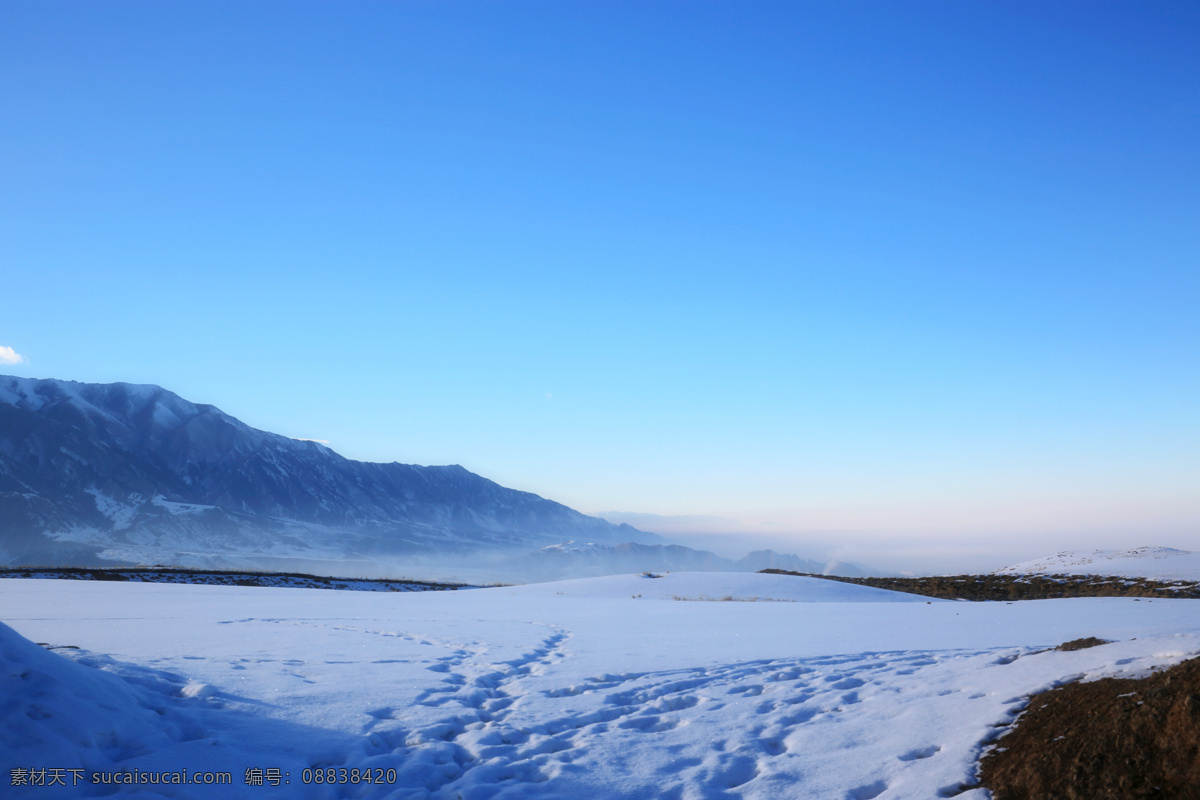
x: 120, y: 472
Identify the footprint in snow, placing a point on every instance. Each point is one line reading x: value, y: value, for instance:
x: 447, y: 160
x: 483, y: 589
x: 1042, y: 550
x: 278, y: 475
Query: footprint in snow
x: 867, y: 792
x: 920, y: 753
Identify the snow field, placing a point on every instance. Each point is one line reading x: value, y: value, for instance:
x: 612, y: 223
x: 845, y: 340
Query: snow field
x: 553, y: 690
x: 1156, y: 563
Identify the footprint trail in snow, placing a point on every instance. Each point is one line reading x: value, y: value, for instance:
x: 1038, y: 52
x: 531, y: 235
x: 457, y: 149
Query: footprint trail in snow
x: 746, y: 729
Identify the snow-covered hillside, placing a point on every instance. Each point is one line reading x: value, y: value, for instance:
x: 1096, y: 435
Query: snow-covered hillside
x: 747, y: 686
x: 136, y: 474
x: 95, y: 474
x: 1157, y: 563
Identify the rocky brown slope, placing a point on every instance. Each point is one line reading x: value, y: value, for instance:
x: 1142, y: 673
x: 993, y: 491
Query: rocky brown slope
x: 1111, y: 739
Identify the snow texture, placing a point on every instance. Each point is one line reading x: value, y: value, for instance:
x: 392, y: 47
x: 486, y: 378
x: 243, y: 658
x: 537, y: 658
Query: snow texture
x: 1157, y: 563
x: 601, y: 688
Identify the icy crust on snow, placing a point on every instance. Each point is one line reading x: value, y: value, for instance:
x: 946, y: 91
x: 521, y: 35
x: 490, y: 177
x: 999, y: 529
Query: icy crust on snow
x: 1157, y: 563
x: 521, y: 692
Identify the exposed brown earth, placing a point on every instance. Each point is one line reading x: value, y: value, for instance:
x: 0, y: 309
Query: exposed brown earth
x: 1020, y: 587
x: 1081, y: 644
x: 1110, y: 739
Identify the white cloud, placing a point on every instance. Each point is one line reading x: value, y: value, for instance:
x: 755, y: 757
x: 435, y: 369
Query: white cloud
x: 318, y: 441
x: 10, y: 356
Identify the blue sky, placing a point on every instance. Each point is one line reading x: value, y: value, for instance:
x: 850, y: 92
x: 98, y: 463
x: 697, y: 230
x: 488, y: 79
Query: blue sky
x: 897, y: 273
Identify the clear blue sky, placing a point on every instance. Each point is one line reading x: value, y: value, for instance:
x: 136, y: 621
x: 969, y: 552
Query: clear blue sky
x: 912, y: 270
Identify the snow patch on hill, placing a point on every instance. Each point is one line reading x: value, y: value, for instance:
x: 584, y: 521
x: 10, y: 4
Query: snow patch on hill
x: 1158, y: 563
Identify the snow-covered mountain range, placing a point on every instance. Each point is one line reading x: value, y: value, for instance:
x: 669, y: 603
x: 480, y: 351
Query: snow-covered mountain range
x: 1158, y: 563
x: 95, y: 474
x: 135, y: 473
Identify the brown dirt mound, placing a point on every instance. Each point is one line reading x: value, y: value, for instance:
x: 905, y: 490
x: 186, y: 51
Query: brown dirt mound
x: 1112, y: 739
x: 1081, y: 644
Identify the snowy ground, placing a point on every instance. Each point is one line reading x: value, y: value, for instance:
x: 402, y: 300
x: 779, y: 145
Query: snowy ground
x: 747, y: 686
x: 1157, y: 563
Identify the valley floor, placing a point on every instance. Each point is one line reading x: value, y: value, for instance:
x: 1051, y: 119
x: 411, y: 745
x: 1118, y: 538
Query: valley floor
x: 692, y: 685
